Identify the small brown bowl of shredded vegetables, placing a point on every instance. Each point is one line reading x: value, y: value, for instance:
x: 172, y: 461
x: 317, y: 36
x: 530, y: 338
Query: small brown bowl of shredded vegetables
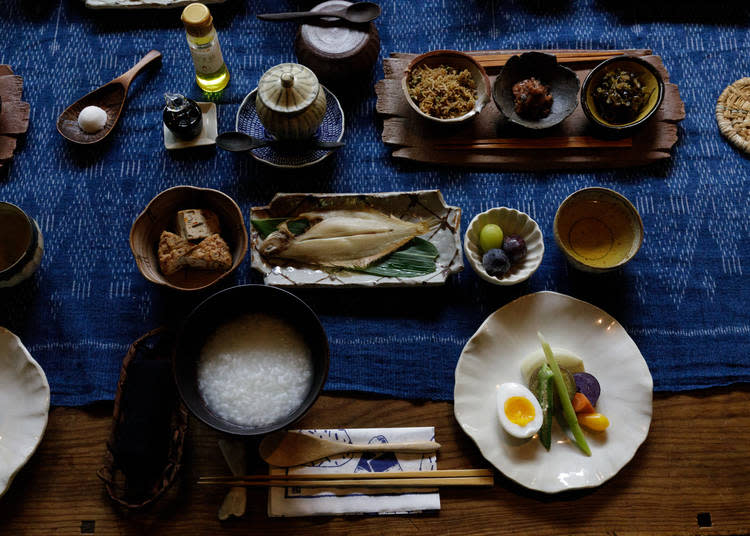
x: 446, y: 86
x: 622, y: 93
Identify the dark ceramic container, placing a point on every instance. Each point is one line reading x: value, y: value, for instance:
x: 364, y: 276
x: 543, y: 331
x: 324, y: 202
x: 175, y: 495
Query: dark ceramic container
x: 225, y: 306
x: 563, y: 86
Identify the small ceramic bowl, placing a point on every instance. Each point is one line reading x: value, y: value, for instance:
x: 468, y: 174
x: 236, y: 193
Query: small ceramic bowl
x: 225, y: 306
x: 647, y: 74
x: 598, y: 229
x: 159, y: 215
x: 21, y: 245
x: 511, y: 221
x: 563, y: 86
x: 459, y: 61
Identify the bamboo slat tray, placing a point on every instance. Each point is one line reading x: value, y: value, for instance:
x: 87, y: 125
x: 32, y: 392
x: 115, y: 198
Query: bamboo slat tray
x: 489, y: 141
x: 14, y: 114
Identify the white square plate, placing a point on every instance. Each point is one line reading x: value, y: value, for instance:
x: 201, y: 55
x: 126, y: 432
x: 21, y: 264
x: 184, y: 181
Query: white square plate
x: 205, y: 138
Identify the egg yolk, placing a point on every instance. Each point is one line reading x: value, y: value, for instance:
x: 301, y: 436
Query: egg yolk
x: 519, y: 410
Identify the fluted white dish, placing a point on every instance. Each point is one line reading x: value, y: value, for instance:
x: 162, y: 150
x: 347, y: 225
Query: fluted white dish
x: 24, y: 406
x: 493, y: 356
x: 511, y: 221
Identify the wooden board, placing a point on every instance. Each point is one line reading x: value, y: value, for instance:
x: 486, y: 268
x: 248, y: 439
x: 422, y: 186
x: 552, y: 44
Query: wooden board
x: 694, y: 462
x: 14, y: 114
x: 414, y: 138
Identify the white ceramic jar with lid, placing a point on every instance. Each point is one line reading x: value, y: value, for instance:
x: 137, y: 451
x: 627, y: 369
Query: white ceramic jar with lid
x: 290, y: 102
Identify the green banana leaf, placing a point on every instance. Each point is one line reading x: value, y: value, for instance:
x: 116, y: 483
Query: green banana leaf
x: 414, y: 259
x: 269, y: 225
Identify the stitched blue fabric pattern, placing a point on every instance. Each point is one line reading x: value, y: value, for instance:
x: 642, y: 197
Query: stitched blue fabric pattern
x: 683, y: 299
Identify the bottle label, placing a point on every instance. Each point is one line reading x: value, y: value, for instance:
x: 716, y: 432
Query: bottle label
x: 207, y: 58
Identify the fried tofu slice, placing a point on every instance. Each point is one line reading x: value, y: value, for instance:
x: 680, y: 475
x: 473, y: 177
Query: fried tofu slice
x: 211, y: 253
x: 173, y: 250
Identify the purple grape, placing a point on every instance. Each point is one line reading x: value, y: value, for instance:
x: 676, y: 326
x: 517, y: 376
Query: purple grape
x: 514, y: 247
x: 496, y: 262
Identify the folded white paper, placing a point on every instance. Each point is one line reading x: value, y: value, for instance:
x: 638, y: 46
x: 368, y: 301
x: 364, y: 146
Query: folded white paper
x: 289, y: 502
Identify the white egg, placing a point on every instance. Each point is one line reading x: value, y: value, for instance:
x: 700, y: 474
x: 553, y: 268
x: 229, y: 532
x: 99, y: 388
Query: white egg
x: 519, y: 410
x: 92, y: 119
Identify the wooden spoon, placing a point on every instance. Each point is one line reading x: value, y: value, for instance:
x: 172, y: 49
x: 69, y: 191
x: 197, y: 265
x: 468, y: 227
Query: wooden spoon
x: 285, y: 449
x: 110, y: 97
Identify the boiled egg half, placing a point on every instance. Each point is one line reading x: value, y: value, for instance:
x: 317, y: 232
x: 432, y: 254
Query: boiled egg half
x: 519, y: 410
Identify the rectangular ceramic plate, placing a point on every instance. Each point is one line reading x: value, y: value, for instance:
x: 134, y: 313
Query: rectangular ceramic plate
x: 142, y: 4
x: 444, y: 233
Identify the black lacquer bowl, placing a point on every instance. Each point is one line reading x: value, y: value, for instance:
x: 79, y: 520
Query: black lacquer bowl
x: 563, y: 86
x: 225, y: 306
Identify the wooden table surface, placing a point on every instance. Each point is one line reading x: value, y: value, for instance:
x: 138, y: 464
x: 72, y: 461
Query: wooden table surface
x: 691, y: 471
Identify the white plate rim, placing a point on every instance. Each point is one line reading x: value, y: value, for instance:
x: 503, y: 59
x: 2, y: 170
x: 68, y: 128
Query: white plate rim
x: 13, y: 470
x: 489, y: 448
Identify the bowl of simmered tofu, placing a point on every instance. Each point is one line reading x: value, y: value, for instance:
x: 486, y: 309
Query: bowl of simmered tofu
x: 188, y: 238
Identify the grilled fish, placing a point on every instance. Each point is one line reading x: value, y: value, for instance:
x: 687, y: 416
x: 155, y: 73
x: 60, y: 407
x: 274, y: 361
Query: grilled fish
x: 341, y: 238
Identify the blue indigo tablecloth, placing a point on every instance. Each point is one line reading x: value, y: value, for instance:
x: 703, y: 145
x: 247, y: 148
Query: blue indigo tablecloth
x: 683, y: 299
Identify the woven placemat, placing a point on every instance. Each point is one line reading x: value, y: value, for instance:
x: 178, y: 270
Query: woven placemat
x: 733, y: 114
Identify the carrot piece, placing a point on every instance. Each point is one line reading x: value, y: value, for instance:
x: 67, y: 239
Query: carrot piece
x: 581, y: 404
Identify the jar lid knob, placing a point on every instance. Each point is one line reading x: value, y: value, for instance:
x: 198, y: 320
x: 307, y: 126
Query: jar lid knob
x: 287, y: 80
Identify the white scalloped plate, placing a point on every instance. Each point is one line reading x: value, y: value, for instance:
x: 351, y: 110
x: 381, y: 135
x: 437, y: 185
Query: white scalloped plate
x: 24, y: 406
x: 493, y: 356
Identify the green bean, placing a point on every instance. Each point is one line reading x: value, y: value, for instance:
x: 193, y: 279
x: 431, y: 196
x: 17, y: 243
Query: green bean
x: 567, y: 407
x: 546, y: 396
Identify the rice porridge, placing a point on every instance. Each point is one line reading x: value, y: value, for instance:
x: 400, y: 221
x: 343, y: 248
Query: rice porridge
x: 255, y: 370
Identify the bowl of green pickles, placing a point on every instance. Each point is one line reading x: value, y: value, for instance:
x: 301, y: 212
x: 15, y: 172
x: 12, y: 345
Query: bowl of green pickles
x: 622, y: 93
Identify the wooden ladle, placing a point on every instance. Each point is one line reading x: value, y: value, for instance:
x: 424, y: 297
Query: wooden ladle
x: 285, y: 449
x: 110, y: 97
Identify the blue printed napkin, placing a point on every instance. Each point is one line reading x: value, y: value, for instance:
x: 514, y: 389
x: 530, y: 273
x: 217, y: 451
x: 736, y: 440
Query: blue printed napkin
x: 291, y: 502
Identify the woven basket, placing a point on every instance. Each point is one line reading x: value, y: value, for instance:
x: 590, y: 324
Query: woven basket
x: 733, y: 114
x: 154, y: 345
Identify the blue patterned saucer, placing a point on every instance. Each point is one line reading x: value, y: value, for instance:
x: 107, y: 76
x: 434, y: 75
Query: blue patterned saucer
x: 332, y: 129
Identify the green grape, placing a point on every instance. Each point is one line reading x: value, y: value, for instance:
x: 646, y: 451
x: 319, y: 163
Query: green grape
x: 490, y: 237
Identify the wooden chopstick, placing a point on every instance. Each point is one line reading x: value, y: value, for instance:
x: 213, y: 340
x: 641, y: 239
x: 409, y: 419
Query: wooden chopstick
x: 474, y: 481
x: 368, y: 476
x: 498, y: 60
x: 565, y: 54
x: 569, y: 142
x: 418, y: 479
